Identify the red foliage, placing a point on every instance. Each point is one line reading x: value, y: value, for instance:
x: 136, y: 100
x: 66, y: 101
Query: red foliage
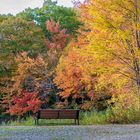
x: 58, y: 36
x: 56, y: 42
x: 26, y: 102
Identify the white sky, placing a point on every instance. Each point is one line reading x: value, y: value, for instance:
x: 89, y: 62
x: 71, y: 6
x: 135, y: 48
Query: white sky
x: 16, y: 6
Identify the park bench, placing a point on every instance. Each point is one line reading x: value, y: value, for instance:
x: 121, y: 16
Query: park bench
x: 57, y: 114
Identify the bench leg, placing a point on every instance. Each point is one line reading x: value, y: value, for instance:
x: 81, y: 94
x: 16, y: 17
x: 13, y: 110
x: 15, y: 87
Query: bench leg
x: 37, y: 122
x: 75, y: 121
x: 78, y: 121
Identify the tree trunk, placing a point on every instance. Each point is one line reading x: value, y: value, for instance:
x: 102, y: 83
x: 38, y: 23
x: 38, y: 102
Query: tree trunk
x: 137, y: 39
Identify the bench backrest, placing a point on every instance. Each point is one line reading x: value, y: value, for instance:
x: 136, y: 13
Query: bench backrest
x: 57, y: 114
x: 48, y: 114
x: 68, y: 114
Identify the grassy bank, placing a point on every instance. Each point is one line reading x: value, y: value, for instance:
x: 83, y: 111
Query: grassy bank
x: 86, y: 118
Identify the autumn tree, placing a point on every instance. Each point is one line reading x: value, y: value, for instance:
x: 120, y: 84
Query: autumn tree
x: 56, y: 42
x: 18, y: 35
x: 112, y: 28
x: 26, y: 85
x: 4, y: 17
x: 34, y: 69
x: 66, y: 16
x: 111, y: 34
x: 74, y: 75
x: 78, y: 75
x: 25, y: 103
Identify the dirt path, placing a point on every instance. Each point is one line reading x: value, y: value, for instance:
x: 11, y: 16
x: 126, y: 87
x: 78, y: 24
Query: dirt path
x: 106, y: 132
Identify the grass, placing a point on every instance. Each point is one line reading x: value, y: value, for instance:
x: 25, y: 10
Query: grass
x: 89, y: 118
x: 86, y: 118
x: 28, y: 122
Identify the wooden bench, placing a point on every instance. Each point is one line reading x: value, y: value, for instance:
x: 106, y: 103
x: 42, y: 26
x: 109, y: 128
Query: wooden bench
x: 57, y: 114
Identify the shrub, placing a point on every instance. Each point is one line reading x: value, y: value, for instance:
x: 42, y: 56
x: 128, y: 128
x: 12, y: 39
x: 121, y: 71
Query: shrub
x: 87, y: 106
x: 124, y: 109
x: 25, y: 103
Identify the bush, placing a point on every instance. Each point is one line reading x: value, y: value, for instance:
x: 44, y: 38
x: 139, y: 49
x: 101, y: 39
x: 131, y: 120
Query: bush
x: 125, y: 109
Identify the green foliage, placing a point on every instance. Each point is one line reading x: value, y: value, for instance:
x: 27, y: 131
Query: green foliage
x: 4, y: 17
x: 19, y: 35
x: 66, y: 16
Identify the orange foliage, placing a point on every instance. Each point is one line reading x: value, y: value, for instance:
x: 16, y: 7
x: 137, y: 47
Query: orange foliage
x: 27, y: 67
x: 74, y: 75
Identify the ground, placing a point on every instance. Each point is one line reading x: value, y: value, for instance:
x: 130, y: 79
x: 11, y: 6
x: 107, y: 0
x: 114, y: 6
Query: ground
x: 102, y: 132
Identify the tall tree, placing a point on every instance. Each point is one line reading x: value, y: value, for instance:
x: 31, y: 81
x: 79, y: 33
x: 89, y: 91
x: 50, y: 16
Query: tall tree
x: 19, y: 35
x: 27, y: 83
x: 56, y: 42
x: 114, y: 31
x: 16, y: 35
x: 67, y: 17
x: 74, y: 73
x: 4, y: 17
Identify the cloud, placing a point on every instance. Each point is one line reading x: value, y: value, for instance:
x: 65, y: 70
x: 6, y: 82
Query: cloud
x: 16, y: 6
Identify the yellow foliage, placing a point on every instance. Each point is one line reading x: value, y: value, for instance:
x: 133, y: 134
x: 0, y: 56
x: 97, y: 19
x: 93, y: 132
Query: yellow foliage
x: 125, y: 108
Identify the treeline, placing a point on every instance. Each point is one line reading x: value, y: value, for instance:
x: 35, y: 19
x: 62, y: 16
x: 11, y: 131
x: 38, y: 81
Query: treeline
x: 85, y: 57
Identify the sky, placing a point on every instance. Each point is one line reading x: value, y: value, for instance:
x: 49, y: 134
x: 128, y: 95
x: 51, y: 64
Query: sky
x: 16, y: 6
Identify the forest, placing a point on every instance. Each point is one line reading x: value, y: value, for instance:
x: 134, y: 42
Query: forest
x: 85, y: 57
